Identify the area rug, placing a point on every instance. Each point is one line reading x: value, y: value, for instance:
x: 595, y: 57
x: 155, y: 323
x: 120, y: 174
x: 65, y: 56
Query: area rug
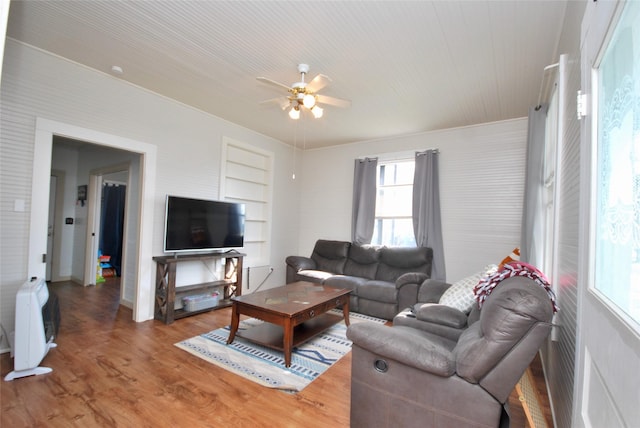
x: 265, y: 366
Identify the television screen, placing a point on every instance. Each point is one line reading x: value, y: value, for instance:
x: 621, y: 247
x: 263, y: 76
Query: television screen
x: 201, y: 225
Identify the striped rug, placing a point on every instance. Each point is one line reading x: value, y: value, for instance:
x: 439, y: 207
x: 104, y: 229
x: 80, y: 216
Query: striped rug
x: 266, y: 366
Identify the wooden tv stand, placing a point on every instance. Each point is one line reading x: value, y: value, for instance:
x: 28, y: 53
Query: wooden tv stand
x: 166, y: 290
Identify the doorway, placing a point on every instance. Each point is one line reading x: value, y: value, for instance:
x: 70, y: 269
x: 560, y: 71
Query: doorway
x: 110, y: 211
x: 89, y: 166
x: 112, y: 215
x: 141, y: 288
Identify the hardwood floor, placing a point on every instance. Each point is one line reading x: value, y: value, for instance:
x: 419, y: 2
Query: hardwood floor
x: 109, y: 371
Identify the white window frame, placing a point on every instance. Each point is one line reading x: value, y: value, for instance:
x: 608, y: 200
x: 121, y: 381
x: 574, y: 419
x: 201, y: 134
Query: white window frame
x: 379, y: 186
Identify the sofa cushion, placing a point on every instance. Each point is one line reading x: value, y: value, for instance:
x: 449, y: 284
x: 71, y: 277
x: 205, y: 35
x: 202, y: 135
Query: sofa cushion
x: 330, y: 256
x: 460, y: 295
x: 380, y: 291
x: 344, y: 281
x: 317, y: 276
x: 396, y: 261
x: 362, y: 261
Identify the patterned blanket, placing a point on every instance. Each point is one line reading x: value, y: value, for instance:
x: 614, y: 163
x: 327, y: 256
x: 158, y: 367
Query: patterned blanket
x: 515, y: 268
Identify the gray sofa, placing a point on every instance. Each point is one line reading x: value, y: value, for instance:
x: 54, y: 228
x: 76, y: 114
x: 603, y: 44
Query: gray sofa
x: 382, y: 280
x: 410, y: 377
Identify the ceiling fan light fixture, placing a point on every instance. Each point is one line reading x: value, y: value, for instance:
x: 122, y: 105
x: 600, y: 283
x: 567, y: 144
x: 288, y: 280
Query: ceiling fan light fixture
x: 302, y: 94
x: 309, y: 101
x: 294, y: 113
x: 317, y: 112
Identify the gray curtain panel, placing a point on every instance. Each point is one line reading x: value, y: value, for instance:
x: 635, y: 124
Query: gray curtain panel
x: 427, y: 225
x: 532, y: 229
x: 364, y: 200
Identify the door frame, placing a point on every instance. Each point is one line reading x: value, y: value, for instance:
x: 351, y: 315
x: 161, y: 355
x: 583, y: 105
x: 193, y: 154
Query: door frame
x: 54, y: 258
x: 143, y: 306
x: 605, y: 390
x: 94, y: 220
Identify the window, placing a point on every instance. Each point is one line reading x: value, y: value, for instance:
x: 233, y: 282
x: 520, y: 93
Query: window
x: 394, y: 225
x: 617, y: 210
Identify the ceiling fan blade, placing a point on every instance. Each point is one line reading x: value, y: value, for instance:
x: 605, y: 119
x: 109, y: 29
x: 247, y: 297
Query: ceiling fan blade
x: 318, y: 82
x: 323, y: 99
x: 273, y: 83
x: 282, y: 102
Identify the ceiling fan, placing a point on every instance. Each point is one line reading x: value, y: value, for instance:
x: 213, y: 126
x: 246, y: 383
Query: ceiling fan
x: 303, y: 94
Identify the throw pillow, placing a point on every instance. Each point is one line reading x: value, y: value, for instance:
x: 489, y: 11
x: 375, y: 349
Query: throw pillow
x: 460, y: 294
x: 514, y: 256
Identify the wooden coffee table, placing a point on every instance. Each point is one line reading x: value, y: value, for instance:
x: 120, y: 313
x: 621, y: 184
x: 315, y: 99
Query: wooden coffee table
x: 293, y: 313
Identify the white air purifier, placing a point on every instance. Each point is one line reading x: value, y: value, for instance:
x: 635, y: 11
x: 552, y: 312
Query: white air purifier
x: 30, y: 343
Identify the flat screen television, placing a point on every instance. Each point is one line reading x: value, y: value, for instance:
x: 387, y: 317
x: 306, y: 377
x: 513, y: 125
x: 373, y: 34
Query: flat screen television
x: 199, y: 225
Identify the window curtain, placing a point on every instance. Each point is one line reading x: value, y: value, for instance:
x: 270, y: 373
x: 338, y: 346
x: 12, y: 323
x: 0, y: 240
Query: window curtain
x: 533, y: 210
x: 364, y: 200
x: 112, y: 223
x: 427, y: 225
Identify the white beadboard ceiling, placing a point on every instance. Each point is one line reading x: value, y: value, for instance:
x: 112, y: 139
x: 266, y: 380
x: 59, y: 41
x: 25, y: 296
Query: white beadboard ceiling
x: 407, y: 66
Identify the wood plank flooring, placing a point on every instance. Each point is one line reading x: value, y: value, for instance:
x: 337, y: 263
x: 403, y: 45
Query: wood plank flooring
x: 109, y: 371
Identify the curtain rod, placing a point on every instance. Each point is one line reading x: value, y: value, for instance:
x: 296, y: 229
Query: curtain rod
x: 424, y: 152
x: 542, y: 85
x: 397, y: 156
x: 367, y: 159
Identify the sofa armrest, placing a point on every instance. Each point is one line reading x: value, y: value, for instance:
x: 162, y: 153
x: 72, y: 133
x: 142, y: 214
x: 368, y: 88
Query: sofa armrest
x: 440, y: 314
x: 407, y: 285
x: 411, y: 278
x: 299, y: 263
x: 403, y: 344
x: 431, y: 290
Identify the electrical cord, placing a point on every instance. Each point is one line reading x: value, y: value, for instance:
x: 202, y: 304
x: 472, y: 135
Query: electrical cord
x: 263, y: 281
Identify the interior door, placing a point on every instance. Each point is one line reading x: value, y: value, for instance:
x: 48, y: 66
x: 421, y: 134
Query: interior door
x: 608, y: 346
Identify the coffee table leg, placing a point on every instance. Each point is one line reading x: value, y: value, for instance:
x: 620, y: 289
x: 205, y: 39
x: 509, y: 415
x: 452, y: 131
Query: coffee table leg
x: 235, y: 322
x: 287, y: 341
x: 345, y: 311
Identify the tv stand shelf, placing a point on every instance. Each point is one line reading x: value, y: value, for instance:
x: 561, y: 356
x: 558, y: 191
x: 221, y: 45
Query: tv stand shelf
x: 166, y: 289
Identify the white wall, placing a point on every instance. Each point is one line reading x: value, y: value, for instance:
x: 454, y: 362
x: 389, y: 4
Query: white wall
x: 39, y: 85
x: 481, y: 185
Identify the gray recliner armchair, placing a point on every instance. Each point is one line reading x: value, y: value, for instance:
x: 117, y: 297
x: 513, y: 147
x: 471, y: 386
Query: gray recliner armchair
x: 407, y: 377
